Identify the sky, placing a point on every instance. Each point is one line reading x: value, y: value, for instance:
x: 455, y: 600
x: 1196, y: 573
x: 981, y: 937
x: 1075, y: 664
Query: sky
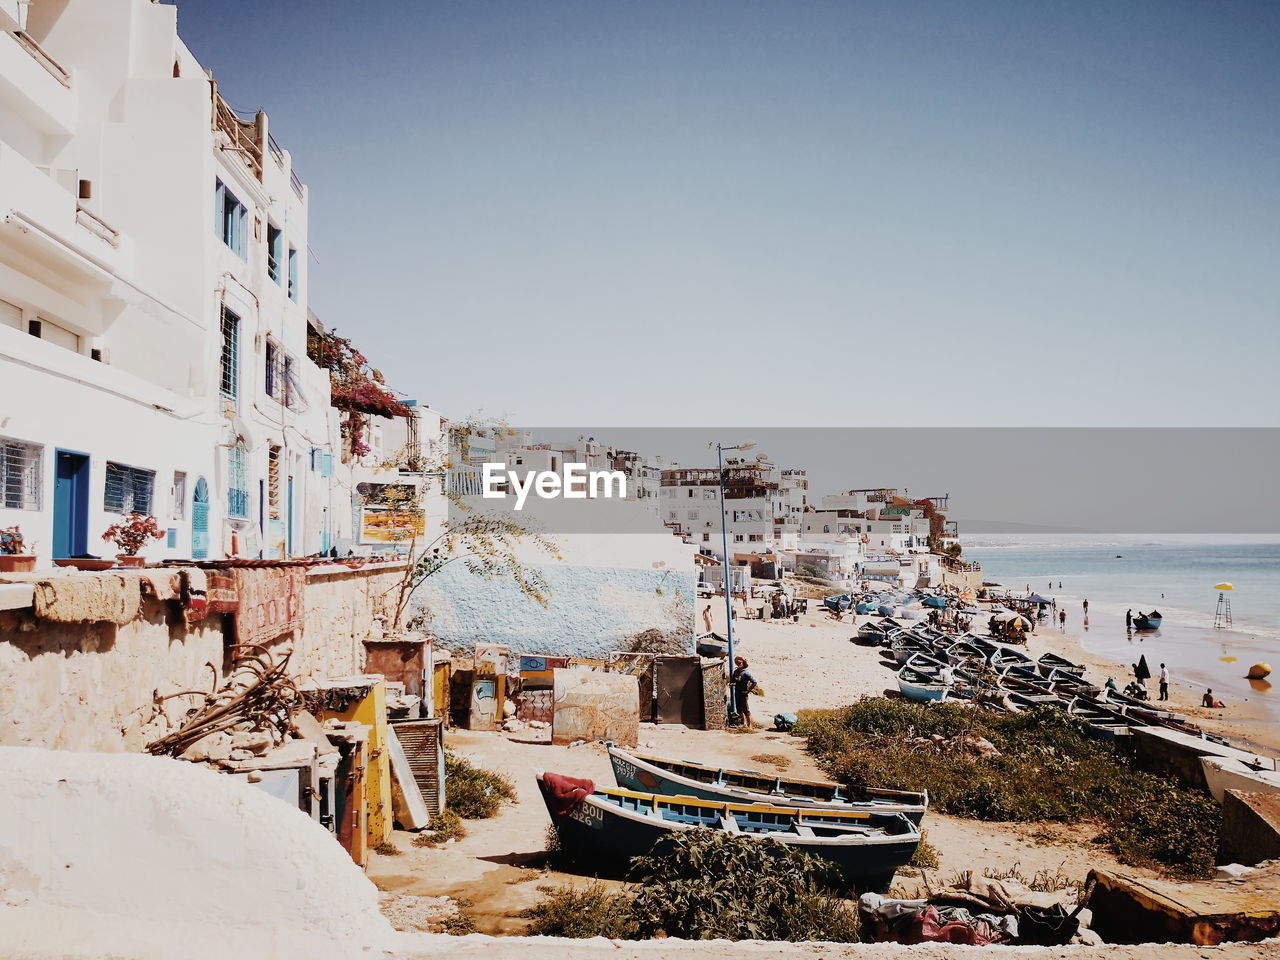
x: 785, y: 213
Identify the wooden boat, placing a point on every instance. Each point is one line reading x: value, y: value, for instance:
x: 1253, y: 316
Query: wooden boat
x: 873, y: 634
x: 650, y: 774
x: 1107, y: 722
x: 608, y: 827
x: 905, y: 646
x: 838, y: 603
x: 1150, y: 621
x: 920, y: 682
x: 961, y: 651
x: 1226, y: 773
x: 1049, y: 662
x: 1006, y: 659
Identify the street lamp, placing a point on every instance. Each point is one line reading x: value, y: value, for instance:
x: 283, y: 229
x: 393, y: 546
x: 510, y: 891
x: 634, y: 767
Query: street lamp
x: 724, y: 541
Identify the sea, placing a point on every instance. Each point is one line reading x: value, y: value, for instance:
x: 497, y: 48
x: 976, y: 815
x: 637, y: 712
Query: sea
x: 1175, y: 575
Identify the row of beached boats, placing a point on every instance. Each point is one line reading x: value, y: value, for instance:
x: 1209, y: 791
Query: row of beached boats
x: 865, y: 834
x: 935, y: 666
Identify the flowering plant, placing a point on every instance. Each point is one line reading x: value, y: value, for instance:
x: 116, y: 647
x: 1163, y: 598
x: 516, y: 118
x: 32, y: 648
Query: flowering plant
x: 11, y: 540
x: 131, y: 534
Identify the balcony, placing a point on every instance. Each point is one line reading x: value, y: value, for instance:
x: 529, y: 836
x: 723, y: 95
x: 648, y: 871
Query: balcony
x: 244, y: 136
x: 35, y: 87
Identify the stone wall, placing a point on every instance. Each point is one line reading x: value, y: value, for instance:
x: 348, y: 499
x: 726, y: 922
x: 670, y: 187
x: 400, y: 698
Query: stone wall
x: 90, y: 686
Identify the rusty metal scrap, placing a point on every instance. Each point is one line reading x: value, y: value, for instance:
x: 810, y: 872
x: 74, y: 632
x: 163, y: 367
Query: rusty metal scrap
x: 257, y: 695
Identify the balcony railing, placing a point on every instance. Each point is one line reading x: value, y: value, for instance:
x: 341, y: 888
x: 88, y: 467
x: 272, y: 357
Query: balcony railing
x: 55, y: 69
x: 97, y: 226
x: 243, y: 134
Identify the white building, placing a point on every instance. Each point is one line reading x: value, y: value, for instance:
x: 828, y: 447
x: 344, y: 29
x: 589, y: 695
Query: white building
x: 153, y: 309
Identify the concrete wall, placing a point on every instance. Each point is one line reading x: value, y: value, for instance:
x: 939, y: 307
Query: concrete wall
x: 592, y: 610
x: 90, y: 686
x: 1250, y: 828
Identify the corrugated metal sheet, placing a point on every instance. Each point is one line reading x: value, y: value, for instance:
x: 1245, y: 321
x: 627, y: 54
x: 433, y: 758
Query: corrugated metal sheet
x: 423, y: 744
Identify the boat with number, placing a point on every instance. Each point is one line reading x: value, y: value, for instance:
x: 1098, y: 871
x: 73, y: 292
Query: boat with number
x: 604, y: 828
x: 650, y: 774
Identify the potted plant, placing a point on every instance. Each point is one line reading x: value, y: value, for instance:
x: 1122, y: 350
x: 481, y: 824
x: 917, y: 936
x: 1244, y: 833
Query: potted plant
x: 130, y: 535
x: 12, y: 559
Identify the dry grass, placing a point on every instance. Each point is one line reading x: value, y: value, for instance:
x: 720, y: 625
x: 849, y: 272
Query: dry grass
x: 773, y: 759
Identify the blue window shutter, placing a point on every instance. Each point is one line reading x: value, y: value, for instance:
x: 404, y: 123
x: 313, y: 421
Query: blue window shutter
x: 172, y: 540
x: 326, y: 466
x: 218, y: 193
x: 293, y: 274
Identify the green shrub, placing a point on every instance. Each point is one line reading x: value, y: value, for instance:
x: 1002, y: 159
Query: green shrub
x: 926, y: 854
x: 1050, y: 767
x: 443, y: 827
x: 590, y: 911
x: 703, y: 884
x: 473, y: 793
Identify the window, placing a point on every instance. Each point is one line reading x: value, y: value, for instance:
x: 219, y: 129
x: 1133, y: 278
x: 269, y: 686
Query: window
x: 10, y: 314
x: 273, y: 482
x: 275, y: 253
x: 178, y: 495
x: 20, y: 463
x: 237, y: 482
x: 737, y: 538
x: 128, y: 489
x: 756, y: 537
x: 293, y: 274
x: 230, y: 363
x: 230, y: 217
x: 706, y: 537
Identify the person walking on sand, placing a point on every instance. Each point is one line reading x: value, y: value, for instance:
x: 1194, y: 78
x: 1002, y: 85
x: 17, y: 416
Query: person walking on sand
x: 1164, y: 682
x: 1062, y: 619
x: 743, y: 686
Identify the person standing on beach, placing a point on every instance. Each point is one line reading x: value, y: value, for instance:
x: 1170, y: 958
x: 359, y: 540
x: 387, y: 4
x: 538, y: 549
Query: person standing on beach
x: 743, y: 685
x: 1062, y: 619
x: 1164, y: 682
x: 706, y: 617
x: 1128, y: 619
x: 1086, y: 605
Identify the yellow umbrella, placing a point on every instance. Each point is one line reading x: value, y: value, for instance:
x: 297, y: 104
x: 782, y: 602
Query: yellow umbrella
x: 1223, y: 586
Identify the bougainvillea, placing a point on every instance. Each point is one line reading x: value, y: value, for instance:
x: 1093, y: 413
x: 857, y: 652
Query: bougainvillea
x: 132, y: 533
x: 353, y: 385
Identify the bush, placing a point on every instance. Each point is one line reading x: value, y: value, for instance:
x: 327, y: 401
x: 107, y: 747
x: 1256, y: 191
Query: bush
x: 1050, y: 767
x: 444, y: 827
x: 473, y: 793
x: 703, y: 884
x: 593, y: 911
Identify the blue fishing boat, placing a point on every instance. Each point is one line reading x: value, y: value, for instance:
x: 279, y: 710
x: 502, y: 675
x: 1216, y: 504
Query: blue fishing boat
x: 604, y: 828
x: 838, y: 603
x: 674, y: 778
x: 905, y: 646
x: 918, y: 682
x: 1148, y: 621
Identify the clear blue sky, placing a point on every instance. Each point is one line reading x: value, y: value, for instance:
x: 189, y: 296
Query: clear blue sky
x: 924, y: 213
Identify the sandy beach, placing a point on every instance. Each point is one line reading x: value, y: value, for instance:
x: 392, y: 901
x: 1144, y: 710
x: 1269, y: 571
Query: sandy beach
x: 499, y: 866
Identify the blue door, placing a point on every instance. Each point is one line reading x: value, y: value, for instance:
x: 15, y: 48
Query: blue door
x: 70, y: 504
x: 200, y: 521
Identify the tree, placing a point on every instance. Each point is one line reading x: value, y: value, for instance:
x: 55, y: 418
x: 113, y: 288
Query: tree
x: 487, y: 545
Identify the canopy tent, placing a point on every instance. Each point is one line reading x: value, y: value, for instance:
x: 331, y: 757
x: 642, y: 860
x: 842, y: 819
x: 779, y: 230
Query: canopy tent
x: 1037, y: 599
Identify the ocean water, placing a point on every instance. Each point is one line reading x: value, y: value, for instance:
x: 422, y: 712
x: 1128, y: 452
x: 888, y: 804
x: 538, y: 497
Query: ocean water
x: 1175, y: 576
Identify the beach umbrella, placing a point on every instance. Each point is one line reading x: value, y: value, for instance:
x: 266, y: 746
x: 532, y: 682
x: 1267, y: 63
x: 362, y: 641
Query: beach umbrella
x: 1017, y: 622
x: 1142, y: 671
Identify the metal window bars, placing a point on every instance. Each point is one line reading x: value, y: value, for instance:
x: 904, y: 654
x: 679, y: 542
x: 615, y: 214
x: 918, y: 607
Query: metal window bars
x: 20, y: 475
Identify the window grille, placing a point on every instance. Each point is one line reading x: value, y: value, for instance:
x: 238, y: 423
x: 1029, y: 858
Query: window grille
x: 237, y: 482
x: 128, y: 489
x: 20, y: 474
x: 273, y: 483
x: 230, y: 381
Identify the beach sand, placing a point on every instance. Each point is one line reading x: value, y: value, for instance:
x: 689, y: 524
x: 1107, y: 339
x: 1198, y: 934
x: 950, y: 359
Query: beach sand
x: 499, y: 865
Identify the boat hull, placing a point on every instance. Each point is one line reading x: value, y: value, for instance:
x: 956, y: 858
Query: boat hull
x: 605, y: 837
x: 635, y: 773
x: 1221, y: 775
